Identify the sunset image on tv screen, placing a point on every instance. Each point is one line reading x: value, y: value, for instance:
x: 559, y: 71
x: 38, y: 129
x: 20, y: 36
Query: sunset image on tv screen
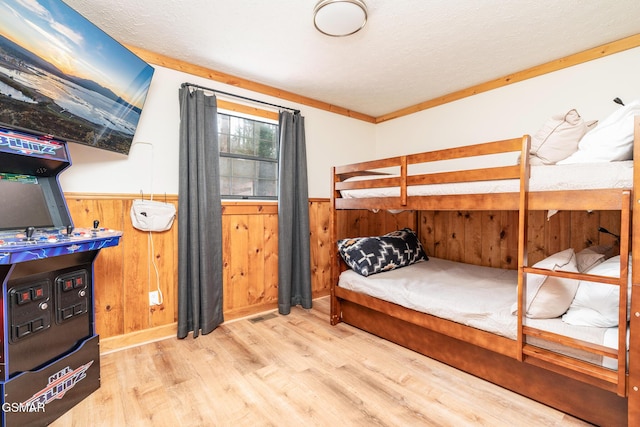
x: 60, y: 75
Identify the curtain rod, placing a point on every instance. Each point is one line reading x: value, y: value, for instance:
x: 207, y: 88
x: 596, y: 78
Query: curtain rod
x: 240, y: 96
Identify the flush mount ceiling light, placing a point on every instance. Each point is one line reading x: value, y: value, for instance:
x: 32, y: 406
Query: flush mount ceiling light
x: 339, y: 18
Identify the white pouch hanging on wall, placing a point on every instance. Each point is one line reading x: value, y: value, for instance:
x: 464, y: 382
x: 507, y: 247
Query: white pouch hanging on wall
x: 150, y: 215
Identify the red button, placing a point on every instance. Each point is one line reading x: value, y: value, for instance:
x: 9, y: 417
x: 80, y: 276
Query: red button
x: 24, y: 296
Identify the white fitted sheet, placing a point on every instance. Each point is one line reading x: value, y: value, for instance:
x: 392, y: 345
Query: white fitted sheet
x: 579, y: 176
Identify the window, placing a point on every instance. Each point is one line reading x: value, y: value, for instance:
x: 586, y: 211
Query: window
x: 248, y: 158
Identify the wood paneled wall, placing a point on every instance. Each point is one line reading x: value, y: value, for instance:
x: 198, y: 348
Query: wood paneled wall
x: 250, y: 257
x: 488, y: 238
x: 124, y: 274
x: 474, y: 237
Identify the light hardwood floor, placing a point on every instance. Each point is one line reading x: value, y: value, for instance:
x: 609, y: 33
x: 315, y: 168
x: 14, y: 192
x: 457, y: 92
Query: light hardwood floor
x: 294, y: 370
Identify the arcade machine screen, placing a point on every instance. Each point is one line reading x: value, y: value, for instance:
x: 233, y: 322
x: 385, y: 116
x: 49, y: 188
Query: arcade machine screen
x: 28, y: 206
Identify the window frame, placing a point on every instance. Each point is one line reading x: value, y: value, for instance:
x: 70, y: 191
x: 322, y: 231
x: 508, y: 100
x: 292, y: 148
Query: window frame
x: 257, y: 115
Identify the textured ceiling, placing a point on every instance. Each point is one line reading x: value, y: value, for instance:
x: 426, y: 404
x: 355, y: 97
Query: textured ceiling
x: 410, y: 51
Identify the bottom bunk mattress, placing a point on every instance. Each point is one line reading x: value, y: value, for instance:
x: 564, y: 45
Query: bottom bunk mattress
x: 475, y: 296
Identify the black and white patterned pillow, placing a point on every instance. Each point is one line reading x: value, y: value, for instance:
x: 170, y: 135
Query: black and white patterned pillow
x: 370, y: 255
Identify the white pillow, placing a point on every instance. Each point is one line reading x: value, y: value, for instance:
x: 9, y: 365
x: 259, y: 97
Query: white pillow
x: 599, y: 249
x: 547, y: 296
x: 611, y: 140
x: 596, y: 304
x: 589, y: 258
x: 558, y: 138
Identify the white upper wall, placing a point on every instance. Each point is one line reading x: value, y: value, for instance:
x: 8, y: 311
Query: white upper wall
x: 331, y: 139
x: 334, y: 139
x: 517, y: 109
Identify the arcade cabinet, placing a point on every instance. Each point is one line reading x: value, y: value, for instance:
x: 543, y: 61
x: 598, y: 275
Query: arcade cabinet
x: 50, y: 358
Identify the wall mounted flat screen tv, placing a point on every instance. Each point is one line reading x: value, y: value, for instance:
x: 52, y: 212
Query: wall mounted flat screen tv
x: 60, y: 75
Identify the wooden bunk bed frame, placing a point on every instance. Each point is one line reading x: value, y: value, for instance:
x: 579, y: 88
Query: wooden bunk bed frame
x: 595, y: 394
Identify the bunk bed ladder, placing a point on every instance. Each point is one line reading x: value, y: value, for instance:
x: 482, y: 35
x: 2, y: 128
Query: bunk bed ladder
x: 613, y: 380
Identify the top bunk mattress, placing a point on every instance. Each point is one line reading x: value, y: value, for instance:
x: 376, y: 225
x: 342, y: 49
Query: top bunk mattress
x: 579, y: 176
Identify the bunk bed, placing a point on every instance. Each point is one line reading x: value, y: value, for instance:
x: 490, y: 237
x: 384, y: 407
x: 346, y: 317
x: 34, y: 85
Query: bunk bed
x: 595, y: 380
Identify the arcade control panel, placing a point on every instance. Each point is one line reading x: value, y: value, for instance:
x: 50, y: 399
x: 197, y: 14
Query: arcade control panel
x: 37, y: 243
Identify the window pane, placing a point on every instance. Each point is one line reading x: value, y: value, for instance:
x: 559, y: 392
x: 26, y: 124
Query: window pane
x: 244, y: 168
x: 248, y: 177
x: 248, y: 157
x: 267, y: 188
x: 223, y: 133
x: 268, y: 149
x: 225, y: 166
x: 225, y: 186
x: 268, y: 170
x: 223, y: 123
x: 241, y: 145
x: 242, y: 187
x: 223, y: 141
x: 268, y: 141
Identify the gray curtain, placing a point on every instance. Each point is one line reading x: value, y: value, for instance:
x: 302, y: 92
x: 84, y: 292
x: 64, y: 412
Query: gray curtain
x: 294, y: 261
x: 199, y: 216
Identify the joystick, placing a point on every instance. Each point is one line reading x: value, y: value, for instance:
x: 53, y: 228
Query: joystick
x: 96, y: 224
x: 69, y: 230
x: 29, y: 232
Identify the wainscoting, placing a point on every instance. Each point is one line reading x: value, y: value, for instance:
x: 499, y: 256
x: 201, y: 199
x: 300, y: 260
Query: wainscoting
x: 124, y: 275
x: 488, y: 238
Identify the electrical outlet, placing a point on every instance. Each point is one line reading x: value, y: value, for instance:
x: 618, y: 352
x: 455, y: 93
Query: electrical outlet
x: 154, y: 298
